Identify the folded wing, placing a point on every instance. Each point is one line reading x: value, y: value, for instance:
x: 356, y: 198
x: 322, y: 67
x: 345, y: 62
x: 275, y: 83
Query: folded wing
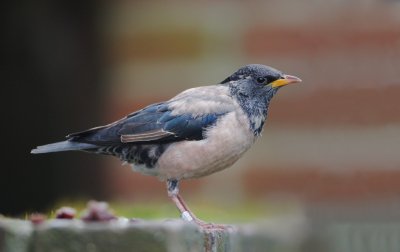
x: 160, y: 123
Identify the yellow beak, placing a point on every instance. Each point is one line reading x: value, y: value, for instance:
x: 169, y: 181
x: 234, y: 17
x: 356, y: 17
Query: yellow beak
x: 287, y: 79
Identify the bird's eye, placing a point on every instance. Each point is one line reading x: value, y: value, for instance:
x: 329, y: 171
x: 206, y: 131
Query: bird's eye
x: 261, y: 80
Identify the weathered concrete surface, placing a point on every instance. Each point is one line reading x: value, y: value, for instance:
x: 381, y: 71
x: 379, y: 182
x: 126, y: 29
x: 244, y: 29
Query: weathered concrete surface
x: 139, y: 235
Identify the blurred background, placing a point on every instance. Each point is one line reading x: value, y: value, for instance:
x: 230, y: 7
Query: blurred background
x: 331, y: 146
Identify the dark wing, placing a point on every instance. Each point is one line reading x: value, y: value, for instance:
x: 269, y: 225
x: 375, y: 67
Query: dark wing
x: 154, y: 124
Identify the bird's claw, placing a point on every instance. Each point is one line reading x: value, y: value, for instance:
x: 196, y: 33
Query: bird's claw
x: 210, y: 227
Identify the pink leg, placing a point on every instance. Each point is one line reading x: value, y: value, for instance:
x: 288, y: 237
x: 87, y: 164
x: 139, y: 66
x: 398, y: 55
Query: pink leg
x: 173, y: 193
x: 186, y: 214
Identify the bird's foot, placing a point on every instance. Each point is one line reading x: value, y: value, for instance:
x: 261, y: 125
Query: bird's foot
x: 212, y: 227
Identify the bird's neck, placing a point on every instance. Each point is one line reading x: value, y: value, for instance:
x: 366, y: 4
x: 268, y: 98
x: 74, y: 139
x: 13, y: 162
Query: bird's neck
x: 256, y: 108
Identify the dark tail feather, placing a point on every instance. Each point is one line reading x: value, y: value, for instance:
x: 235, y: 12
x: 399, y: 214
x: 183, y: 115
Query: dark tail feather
x: 62, y: 146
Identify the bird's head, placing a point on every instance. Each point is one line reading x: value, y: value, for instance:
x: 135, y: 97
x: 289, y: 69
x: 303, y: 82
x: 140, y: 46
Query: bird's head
x: 261, y: 76
x: 254, y: 86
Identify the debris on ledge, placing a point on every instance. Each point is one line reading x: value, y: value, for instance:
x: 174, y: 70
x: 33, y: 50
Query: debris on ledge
x: 98, y: 229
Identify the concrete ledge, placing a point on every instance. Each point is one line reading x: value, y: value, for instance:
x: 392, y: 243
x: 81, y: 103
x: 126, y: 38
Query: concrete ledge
x: 138, y: 235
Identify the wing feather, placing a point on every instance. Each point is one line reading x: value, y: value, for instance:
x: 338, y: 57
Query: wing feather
x: 184, y: 117
x: 145, y: 137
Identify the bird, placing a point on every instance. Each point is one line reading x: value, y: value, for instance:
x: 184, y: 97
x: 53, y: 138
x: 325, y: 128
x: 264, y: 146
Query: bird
x: 200, y: 131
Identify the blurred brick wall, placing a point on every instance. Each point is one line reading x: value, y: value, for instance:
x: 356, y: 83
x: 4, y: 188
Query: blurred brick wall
x: 333, y: 137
